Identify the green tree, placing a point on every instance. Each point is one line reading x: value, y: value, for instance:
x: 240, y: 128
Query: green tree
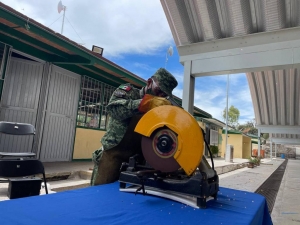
x: 233, y: 116
x: 248, y: 127
x: 265, y: 136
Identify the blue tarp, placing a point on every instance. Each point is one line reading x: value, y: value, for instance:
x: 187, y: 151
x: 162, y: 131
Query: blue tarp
x: 105, y: 204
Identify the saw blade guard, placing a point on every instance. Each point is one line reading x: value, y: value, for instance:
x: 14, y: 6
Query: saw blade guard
x: 171, y: 134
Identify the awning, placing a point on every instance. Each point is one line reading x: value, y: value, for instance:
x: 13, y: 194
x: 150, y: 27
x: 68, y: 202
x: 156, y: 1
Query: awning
x: 215, y: 122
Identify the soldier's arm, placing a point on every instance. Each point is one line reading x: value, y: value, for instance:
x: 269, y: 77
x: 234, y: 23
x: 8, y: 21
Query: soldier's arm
x: 121, y: 106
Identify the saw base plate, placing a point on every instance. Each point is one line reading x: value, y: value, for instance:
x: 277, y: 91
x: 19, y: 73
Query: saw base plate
x: 199, y: 186
x: 184, y: 199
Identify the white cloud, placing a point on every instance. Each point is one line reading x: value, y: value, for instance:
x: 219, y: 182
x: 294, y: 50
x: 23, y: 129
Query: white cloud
x: 136, y: 27
x: 211, y: 92
x: 119, y: 26
x: 143, y: 66
x: 178, y: 92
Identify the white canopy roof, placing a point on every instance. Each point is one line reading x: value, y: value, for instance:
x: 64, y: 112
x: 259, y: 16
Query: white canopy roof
x: 257, y: 37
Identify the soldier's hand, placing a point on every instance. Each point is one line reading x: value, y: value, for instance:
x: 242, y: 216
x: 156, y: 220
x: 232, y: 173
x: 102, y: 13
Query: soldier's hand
x: 149, y: 102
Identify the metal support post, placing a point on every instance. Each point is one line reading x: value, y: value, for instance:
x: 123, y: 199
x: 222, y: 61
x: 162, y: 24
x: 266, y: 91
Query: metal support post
x: 258, y: 143
x: 271, y: 149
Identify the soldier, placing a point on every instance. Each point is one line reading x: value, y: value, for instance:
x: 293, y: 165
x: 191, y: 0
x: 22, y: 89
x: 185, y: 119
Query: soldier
x: 126, y: 103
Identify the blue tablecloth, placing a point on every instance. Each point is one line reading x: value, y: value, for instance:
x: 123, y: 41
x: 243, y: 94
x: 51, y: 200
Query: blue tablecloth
x: 105, y: 204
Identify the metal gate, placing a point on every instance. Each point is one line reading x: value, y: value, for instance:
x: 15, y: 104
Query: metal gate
x: 20, y: 100
x: 60, y: 115
x: 45, y: 96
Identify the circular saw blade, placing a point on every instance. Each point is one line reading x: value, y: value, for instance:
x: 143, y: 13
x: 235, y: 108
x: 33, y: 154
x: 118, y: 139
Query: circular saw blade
x: 159, y: 150
x: 188, y: 133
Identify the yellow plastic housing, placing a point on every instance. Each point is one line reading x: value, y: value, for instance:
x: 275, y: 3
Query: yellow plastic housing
x: 190, y: 138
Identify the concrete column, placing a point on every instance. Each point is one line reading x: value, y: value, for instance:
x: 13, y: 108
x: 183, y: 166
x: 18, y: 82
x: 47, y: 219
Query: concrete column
x: 188, y: 88
x: 275, y: 151
x: 271, y: 149
x: 258, y: 143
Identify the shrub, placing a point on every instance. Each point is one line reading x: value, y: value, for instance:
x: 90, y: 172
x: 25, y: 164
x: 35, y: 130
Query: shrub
x: 252, y: 160
x: 214, y: 149
x: 255, y: 160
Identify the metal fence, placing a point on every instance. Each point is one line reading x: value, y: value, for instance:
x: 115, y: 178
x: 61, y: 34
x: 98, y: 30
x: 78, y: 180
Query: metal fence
x: 94, y: 97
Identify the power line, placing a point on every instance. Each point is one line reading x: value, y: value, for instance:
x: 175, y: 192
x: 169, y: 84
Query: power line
x: 74, y: 29
x: 55, y: 21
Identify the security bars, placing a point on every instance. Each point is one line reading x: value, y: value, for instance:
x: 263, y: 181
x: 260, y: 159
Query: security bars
x: 94, y: 97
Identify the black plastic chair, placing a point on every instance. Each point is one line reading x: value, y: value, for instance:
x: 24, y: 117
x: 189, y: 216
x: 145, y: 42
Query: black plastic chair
x: 22, y: 168
x: 17, y: 129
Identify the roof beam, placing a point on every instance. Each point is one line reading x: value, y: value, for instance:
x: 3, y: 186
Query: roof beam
x: 13, y: 33
x: 28, y: 49
x: 291, y: 141
x: 214, y: 122
x: 255, y: 52
x: 104, y: 74
x: 62, y: 57
x: 83, y: 71
x: 72, y: 59
x: 117, y: 72
x: 279, y: 129
x: 37, y: 31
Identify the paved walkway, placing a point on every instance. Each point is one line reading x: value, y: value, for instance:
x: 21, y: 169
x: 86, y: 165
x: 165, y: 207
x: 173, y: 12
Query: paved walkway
x: 247, y: 179
x: 232, y: 175
x: 286, y: 209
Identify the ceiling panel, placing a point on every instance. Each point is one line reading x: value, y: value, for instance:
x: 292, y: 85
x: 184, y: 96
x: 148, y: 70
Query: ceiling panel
x: 193, y: 21
x: 276, y: 96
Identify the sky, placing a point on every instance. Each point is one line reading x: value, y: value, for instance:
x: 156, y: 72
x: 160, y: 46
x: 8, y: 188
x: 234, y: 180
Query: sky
x: 135, y: 35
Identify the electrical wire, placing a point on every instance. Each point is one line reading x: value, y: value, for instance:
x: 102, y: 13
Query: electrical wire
x: 74, y: 29
x: 55, y: 21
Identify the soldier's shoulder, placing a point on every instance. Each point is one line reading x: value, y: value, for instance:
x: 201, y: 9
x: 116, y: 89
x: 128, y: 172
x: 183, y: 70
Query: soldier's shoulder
x: 124, y: 90
x: 126, y: 87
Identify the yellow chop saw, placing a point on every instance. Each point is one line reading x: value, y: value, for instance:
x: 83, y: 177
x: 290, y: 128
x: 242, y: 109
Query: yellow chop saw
x: 172, y: 164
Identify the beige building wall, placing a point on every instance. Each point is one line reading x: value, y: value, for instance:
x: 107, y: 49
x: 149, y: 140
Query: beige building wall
x: 236, y: 141
x: 246, y: 147
x: 86, y: 142
x: 241, y: 145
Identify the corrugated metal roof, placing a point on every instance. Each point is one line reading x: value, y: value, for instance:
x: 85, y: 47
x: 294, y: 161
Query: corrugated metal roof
x: 216, y: 122
x: 276, y: 96
x: 193, y: 21
x: 275, y: 93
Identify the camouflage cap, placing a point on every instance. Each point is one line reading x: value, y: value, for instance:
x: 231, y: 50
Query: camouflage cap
x: 167, y: 81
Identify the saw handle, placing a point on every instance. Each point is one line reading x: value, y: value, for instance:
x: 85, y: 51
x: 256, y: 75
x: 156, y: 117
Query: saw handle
x: 150, y: 101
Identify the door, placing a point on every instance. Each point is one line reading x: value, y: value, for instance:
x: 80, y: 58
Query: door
x: 60, y: 115
x: 19, y: 102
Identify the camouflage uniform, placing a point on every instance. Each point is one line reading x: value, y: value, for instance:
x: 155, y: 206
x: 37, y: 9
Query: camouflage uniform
x: 123, y: 116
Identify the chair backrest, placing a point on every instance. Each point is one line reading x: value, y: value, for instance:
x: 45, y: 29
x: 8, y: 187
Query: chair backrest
x: 16, y: 128
x: 20, y: 168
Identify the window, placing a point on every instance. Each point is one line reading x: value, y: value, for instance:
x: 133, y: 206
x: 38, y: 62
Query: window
x: 94, y: 97
x: 214, y: 137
